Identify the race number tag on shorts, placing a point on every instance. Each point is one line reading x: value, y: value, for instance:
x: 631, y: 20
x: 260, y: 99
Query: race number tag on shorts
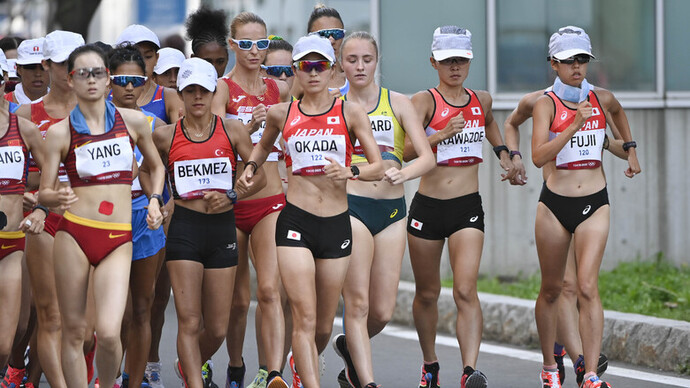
x: 309, y: 153
x: 100, y: 158
x: 384, y: 134
x: 193, y: 177
x: 462, y: 149
x: 11, y: 162
x: 583, y: 150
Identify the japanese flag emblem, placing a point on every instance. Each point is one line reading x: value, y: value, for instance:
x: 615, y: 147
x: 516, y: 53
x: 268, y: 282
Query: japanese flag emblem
x: 292, y: 235
x: 333, y: 120
x: 416, y: 224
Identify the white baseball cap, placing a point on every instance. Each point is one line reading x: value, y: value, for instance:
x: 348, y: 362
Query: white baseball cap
x: 313, y: 44
x: 196, y: 71
x: 30, y: 51
x: 451, y: 41
x: 60, y: 44
x: 12, y: 65
x: 136, y: 33
x: 569, y: 41
x: 168, y: 58
x: 3, y: 62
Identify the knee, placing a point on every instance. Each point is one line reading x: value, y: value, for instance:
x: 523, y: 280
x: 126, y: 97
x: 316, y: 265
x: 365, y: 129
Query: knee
x: 49, y: 319
x: 550, y: 292
x: 569, y: 289
x: 357, y: 307
x: 379, y: 316
x: 268, y: 294
x: 304, y: 322
x: 141, y: 310
x: 189, y: 324
x: 240, y: 304
x: 74, y: 332
x: 108, y: 342
x: 465, y: 294
x: 588, y: 289
x: 427, y: 296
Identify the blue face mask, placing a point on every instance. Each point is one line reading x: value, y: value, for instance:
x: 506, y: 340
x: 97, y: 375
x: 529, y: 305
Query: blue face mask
x: 571, y: 93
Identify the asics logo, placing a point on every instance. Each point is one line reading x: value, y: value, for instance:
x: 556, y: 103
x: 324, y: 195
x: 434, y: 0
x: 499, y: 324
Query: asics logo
x: 474, y: 219
x: 277, y: 206
x: 345, y: 244
x: 7, y: 246
x: 445, y: 112
x: 395, y: 212
x: 587, y: 209
x: 238, y: 98
x: 111, y: 235
x: 295, y: 120
x: 564, y: 115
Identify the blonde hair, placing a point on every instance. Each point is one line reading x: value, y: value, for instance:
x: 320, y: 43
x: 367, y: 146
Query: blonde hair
x: 363, y: 35
x: 244, y: 18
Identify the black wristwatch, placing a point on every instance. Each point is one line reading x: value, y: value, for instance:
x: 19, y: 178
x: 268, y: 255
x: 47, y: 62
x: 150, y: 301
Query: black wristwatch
x: 157, y: 197
x: 627, y: 145
x: 42, y: 208
x: 355, y: 172
x: 499, y: 149
x: 513, y: 153
x: 232, y: 195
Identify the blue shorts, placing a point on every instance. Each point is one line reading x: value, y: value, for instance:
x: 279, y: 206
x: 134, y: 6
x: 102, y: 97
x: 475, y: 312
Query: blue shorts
x: 376, y: 214
x: 145, y: 242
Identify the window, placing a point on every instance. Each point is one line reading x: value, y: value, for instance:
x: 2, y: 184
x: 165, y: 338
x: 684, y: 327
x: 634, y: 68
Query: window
x: 677, y: 50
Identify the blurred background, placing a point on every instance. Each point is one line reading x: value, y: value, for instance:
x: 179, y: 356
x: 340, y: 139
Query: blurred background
x: 642, y: 51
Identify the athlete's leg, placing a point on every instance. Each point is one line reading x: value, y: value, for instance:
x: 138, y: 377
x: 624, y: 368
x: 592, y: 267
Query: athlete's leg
x: 425, y: 257
x: 465, y: 252
x: 216, y: 311
x: 160, y: 303
x: 23, y: 332
x: 590, y: 242
x: 389, y: 248
x: 265, y: 259
x: 39, y: 259
x: 237, y: 326
x: 330, y: 276
x: 110, y: 290
x: 568, y: 333
x: 552, y: 247
x: 142, y: 286
x: 72, y: 271
x: 356, y: 297
x: 186, y: 277
x: 10, y: 295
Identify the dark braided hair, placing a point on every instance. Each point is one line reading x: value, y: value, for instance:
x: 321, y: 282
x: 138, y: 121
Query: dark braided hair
x: 125, y: 53
x: 207, y: 25
x: 321, y: 11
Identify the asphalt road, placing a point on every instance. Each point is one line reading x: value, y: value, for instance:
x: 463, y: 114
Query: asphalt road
x: 397, y: 361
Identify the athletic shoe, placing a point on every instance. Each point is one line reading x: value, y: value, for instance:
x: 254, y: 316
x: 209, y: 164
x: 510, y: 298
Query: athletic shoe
x: 322, y: 364
x: 118, y: 382
x: 473, y: 379
x: 13, y: 377
x: 179, y: 373
x: 342, y: 380
x: 549, y: 379
x: 88, y: 357
x: 296, y: 381
x: 29, y: 385
x: 153, y: 374
x: 594, y: 382
x: 259, y: 380
x: 430, y: 376
x: 371, y: 385
x: 235, y: 376
x: 558, y: 354
x: 340, y: 347
x: 277, y: 382
x: 207, y: 374
x: 579, y: 367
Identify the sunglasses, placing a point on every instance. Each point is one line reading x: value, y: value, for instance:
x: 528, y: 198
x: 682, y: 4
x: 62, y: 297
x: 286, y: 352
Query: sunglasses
x: 454, y: 61
x: 124, y: 80
x: 276, y: 71
x: 579, y: 58
x: 335, y: 33
x: 86, y: 72
x: 246, y: 44
x: 308, y: 66
x: 33, y: 66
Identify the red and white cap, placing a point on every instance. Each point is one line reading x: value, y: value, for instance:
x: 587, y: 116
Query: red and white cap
x: 196, y: 71
x: 30, y: 51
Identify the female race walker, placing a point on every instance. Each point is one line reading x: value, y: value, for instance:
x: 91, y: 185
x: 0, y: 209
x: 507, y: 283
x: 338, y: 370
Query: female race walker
x: 569, y: 125
x: 243, y: 94
x: 377, y: 210
x: 200, y: 152
x: 313, y: 232
x: 448, y: 204
x: 208, y: 31
x: 96, y: 145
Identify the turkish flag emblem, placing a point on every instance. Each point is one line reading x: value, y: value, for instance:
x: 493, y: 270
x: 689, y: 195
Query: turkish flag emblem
x: 416, y: 224
x: 292, y: 235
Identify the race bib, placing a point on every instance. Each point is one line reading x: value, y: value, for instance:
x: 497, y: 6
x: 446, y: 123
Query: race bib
x: 309, y: 153
x: 246, y: 117
x: 104, y: 158
x: 12, y: 162
x: 465, y: 148
x: 583, y: 150
x: 193, y: 177
x: 384, y: 134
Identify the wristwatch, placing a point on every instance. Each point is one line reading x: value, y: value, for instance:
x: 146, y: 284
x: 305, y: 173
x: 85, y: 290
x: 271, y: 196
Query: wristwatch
x: 355, y: 172
x: 513, y: 153
x: 159, y: 198
x: 232, y: 195
x: 628, y: 145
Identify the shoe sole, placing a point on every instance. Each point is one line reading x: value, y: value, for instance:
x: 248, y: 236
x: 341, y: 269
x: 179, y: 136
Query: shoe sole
x: 277, y: 383
x: 476, y: 381
x: 345, y: 358
x: 342, y: 380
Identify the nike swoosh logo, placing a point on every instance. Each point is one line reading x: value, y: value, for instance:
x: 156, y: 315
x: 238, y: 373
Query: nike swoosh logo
x: 117, y: 235
x: 8, y: 246
x: 43, y: 122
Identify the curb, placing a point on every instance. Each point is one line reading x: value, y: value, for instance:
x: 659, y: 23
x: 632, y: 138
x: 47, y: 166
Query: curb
x: 632, y: 338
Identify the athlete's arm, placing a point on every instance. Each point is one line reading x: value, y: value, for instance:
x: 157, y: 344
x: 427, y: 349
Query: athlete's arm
x: 613, y: 107
x: 220, y: 98
x: 173, y: 105
x: 58, y: 136
x: 24, y: 111
x: 275, y: 121
x: 512, y: 133
x: 424, y: 104
x: 410, y: 121
x: 543, y: 149
x: 360, y: 126
x: 34, y: 142
x: 284, y: 89
x: 243, y: 145
x: 493, y: 135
